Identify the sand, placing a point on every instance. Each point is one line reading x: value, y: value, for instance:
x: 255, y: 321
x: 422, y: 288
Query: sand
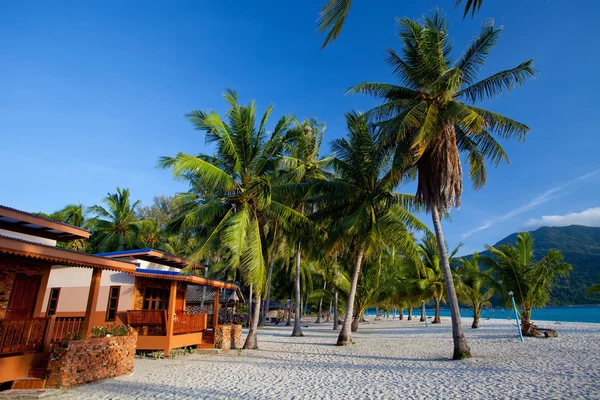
x: 391, y: 359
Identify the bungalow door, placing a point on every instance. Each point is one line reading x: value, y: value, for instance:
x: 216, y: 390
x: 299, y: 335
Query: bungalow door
x: 22, y: 296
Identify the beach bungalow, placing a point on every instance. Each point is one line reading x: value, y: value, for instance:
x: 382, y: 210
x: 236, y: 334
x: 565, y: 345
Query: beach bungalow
x: 28, y: 253
x: 152, y: 299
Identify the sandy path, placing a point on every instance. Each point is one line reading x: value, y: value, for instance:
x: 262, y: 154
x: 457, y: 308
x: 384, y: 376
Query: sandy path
x: 391, y: 359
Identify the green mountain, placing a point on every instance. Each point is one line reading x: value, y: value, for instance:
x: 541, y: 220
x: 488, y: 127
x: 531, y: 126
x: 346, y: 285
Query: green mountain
x: 581, y: 247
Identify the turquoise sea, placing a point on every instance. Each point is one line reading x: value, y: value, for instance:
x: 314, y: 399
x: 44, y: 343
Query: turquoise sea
x: 563, y: 313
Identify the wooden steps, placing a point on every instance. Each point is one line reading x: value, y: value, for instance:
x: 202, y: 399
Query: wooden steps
x: 28, y: 383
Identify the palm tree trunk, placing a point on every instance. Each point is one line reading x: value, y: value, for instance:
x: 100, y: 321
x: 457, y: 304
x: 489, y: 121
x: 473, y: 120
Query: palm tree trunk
x: 355, y: 321
x: 401, y: 316
x: 250, y: 307
x: 336, y: 317
x: 461, y: 348
x: 297, y: 329
x: 436, y: 319
x: 321, y: 304
x: 289, y: 314
x: 410, y: 313
x: 394, y: 311
x: 526, y: 325
x: 263, y: 320
x: 345, y: 337
x: 251, y: 340
x: 329, y: 312
x: 422, y: 312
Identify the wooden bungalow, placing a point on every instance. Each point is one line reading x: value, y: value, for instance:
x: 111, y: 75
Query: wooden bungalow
x: 145, y: 299
x: 27, y: 254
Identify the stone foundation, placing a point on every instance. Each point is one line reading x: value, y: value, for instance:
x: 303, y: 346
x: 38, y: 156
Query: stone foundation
x: 223, y: 337
x: 78, y: 362
x: 236, y: 337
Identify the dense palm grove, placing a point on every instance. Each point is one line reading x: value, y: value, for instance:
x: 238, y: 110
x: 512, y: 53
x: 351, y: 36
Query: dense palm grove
x: 335, y: 233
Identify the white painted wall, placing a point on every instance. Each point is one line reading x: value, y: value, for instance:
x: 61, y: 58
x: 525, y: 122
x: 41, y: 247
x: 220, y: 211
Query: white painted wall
x: 29, y: 238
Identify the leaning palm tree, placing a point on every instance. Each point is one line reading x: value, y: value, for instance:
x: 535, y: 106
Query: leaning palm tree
x: 530, y: 280
x: 361, y: 206
x: 116, y: 223
x: 429, y: 122
x: 471, y: 287
x: 230, y: 196
x: 333, y: 15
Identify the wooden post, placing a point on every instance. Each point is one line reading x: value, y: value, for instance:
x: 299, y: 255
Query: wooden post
x: 216, y: 310
x: 92, y: 302
x: 171, y: 316
x: 46, y: 345
x: 39, y: 301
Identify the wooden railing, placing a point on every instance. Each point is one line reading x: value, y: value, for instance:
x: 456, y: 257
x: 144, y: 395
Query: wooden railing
x: 67, y: 328
x: 21, y: 335
x: 189, y: 323
x: 148, y: 322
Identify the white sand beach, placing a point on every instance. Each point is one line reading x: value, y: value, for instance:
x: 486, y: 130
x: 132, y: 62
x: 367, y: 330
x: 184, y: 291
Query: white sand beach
x: 391, y: 359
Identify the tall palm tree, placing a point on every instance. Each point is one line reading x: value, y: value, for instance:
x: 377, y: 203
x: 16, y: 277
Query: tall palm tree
x: 72, y: 214
x: 333, y: 16
x: 364, y: 211
x: 116, y: 223
x: 231, y: 191
x: 429, y: 122
x: 529, y: 279
x: 302, y: 165
x: 471, y: 286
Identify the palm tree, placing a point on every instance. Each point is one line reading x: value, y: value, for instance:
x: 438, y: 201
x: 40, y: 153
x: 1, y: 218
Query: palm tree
x: 361, y: 206
x: 230, y: 194
x: 531, y: 281
x: 333, y: 15
x: 470, y: 285
x: 72, y: 214
x: 428, y: 123
x: 432, y: 272
x: 117, y: 224
x: 302, y: 165
x: 594, y: 289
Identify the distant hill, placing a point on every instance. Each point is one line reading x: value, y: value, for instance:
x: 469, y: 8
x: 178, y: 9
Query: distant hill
x: 581, y: 247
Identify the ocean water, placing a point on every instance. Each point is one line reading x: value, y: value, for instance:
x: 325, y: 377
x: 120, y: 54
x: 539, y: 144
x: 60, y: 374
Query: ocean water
x: 563, y: 313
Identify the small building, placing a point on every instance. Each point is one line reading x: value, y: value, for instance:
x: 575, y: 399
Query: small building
x: 144, y: 299
x: 28, y: 253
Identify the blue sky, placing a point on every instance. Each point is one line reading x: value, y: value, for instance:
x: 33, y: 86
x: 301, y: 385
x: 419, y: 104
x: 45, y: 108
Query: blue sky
x: 92, y: 93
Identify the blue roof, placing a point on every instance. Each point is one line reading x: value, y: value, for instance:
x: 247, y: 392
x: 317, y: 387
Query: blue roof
x: 123, y: 252
x: 160, y: 272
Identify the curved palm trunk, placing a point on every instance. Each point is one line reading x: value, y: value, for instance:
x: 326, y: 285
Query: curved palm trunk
x: 204, y: 289
x: 265, y: 311
x: 436, y: 319
x: 329, y: 312
x: 345, y: 337
x: 297, y: 329
x: 422, y: 312
x: 336, y: 317
x: 410, y: 313
x: 251, y: 340
x: 461, y: 348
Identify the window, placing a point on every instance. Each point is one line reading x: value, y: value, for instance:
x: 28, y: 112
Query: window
x: 53, y: 301
x: 113, y: 302
x: 156, y: 299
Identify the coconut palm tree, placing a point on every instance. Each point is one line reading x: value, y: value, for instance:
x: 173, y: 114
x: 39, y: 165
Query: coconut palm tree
x: 72, y: 214
x: 333, y: 15
x: 430, y: 121
x: 361, y: 206
x: 471, y: 288
x: 116, y: 223
x: 301, y: 164
x: 529, y: 279
x: 432, y: 273
x: 231, y: 191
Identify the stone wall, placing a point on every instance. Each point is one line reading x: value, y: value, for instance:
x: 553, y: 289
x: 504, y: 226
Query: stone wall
x: 236, y: 337
x: 223, y: 337
x: 78, y: 362
x: 9, y: 267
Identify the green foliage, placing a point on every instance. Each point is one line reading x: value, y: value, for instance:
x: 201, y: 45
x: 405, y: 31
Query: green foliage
x: 111, y: 330
x: 157, y: 355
